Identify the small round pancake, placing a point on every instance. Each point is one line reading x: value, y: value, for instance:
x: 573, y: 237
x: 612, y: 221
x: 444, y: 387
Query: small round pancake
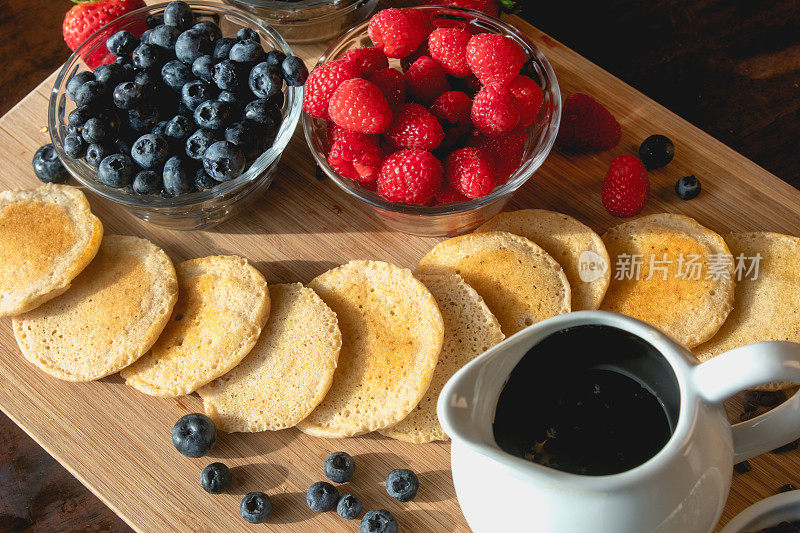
x: 288, y: 372
x: 571, y: 243
x: 391, y: 338
x: 684, y: 285
x: 223, y: 303
x: 47, y: 237
x: 469, y: 330
x: 517, y: 279
x: 767, y: 299
x: 112, y: 314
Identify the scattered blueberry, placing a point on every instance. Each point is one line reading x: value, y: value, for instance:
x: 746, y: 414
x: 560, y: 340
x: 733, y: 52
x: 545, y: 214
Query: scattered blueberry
x: 227, y: 75
x: 787, y: 447
x: 275, y: 58
x: 111, y: 74
x: 247, y: 34
x: 201, y: 67
x: 194, y: 435
x: 127, y: 95
x: 164, y: 37
x: 247, y: 52
x: 322, y: 497
x: 223, y: 161
x: 743, y: 467
x: 656, y: 151
x: 295, y: 71
x: 75, y: 146
x: 150, y: 151
x: 90, y: 93
x: 402, y: 484
x: 203, y: 181
x: 180, y: 127
x: 265, y: 81
x: 349, y: 507
x: 147, y: 182
x: 176, y: 73
x: 178, y: 179
x: 339, y: 467
x: 76, y: 81
x: 122, y: 43
x: 198, y: 142
x: 116, y: 170
x: 378, y: 521
x: 687, y: 187
x: 192, y: 44
x: 154, y: 20
x: 95, y: 153
x: 211, y: 30
x: 94, y: 131
x: 178, y: 14
x: 47, y: 166
x: 255, y: 507
x: 145, y: 56
x: 215, y: 478
x: 212, y: 114
x: 222, y: 48
x: 142, y: 119
x: 786, y: 488
x: 78, y: 116
x: 196, y: 92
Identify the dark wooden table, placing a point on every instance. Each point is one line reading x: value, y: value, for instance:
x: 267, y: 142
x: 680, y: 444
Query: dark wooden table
x: 732, y: 67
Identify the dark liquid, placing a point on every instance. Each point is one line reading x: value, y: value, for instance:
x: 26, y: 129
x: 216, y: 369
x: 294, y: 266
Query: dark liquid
x: 582, y: 401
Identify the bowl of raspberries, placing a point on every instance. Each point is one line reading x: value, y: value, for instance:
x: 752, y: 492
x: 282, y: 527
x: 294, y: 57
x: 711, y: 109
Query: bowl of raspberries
x: 432, y: 115
x: 178, y: 111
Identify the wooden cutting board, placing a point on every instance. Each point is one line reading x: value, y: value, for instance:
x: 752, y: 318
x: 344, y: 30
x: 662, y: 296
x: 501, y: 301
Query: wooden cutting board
x: 116, y: 440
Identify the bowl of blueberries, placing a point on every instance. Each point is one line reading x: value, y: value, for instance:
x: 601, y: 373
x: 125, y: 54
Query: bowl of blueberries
x: 178, y: 111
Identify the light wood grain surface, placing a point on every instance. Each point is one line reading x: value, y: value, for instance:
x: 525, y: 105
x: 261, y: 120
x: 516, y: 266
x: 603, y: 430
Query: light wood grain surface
x: 117, y: 441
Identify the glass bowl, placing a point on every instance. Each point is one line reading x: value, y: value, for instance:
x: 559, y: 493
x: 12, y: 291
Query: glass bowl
x: 457, y: 217
x: 309, y: 21
x: 193, y: 210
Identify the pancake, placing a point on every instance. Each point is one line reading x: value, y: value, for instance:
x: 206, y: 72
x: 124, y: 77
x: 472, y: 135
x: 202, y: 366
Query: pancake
x: 112, y: 314
x: 222, y: 305
x: 391, y: 338
x: 517, y: 279
x: 469, y: 330
x: 288, y: 372
x: 571, y: 243
x: 47, y: 237
x: 687, y: 302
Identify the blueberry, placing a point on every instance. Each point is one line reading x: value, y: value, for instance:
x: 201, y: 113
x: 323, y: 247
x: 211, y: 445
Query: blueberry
x: 247, y: 52
x: 127, y: 95
x: 322, y: 497
x: 212, y: 114
x: 94, y: 131
x: 148, y: 81
x: 247, y: 34
x: 143, y: 118
x: 265, y: 81
x: 78, y: 116
x: 656, y: 151
x: 215, y: 478
x: 176, y: 73
x: 75, y: 146
x: 145, y: 56
x: 194, y: 434
x: 228, y: 75
x: 111, y: 74
x: 95, y: 153
x: 339, y: 467
x: 112, y: 120
x: 121, y: 43
x: 222, y: 48
x: 145, y: 36
x: 198, y: 142
x: 77, y: 80
x: 224, y: 161
x: 233, y: 100
x: 349, y: 507
x: 179, y: 127
x: 164, y: 37
x: 295, y: 71
x: 687, y: 187
x: 378, y: 521
x: 192, y: 44
x: 275, y: 58
x: 47, y: 166
x: 123, y: 145
x: 178, y: 14
x: 261, y: 111
x: 202, y: 68
x: 160, y: 128
x: 402, y: 484
x: 203, y: 181
x: 211, y: 30
x: 179, y: 179
x: 154, y: 20
x: 242, y: 134
x: 196, y: 92
x: 147, y: 182
x: 150, y: 151
x: 255, y: 507
x: 90, y: 93
x: 116, y: 170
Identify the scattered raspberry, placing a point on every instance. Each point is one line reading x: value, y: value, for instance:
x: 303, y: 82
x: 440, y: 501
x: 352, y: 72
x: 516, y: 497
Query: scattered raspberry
x: 626, y: 187
x: 494, y: 58
x: 321, y: 84
x: 587, y: 125
x: 398, y: 32
x: 337, y: 132
x: 529, y: 96
x: 415, y: 128
x: 360, y: 106
x: 356, y: 159
x: 392, y: 84
x: 470, y: 171
x: 426, y: 80
x: 366, y: 60
x: 506, y: 151
x: 411, y: 176
x: 495, y: 110
x: 448, y: 46
x: 453, y: 107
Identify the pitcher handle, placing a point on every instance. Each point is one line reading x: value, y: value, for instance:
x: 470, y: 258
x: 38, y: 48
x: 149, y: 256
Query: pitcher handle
x: 745, y: 367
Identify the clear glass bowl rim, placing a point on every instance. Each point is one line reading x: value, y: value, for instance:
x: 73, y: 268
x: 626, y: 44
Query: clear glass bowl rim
x: 292, y: 13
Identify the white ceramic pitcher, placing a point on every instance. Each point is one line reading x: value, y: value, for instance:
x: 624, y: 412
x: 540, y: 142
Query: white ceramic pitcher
x: 683, y: 488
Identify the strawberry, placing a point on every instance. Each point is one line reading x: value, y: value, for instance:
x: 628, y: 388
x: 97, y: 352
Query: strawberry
x: 355, y: 158
x: 626, y: 186
x: 321, y: 84
x: 336, y: 132
x: 415, y: 128
x: 448, y: 195
x: 398, y: 32
x: 426, y: 80
x: 506, y: 151
x: 366, y: 60
x: 453, y: 107
x: 448, y: 46
x: 587, y: 125
x: 360, y: 106
x: 392, y: 84
x: 410, y: 176
x: 490, y: 7
x: 470, y: 171
x: 495, y: 110
x: 85, y: 18
x: 494, y: 58
x: 529, y: 96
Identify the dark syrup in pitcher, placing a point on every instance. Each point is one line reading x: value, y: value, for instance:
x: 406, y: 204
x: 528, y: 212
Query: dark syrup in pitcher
x: 591, y: 400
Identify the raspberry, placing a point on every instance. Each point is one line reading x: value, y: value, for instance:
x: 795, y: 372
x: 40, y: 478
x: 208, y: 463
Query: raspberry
x: 360, y: 106
x: 470, y: 171
x: 337, y: 132
x: 356, y: 159
x: 398, y: 32
x: 448, y: 46
x: 392, y: 84
x: 366, y: 60
x: 411, y: 176
x: 506, y: 151
x: 529, y: 96
x: 453, y: 107
x: 626, y: 187
x: 321, y: 84
x: 426, y: 80
x: 406, y: 62
x: 415, y: 128
x: 455, y: 135
x: 494, y: 58
x: 585, y: 124
x: 495, y: 110
x: 448, y: 195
